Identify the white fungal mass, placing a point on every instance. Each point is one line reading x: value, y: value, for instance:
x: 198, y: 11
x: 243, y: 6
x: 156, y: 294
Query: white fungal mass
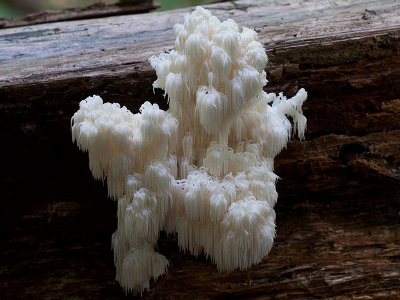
x: 202, y: 169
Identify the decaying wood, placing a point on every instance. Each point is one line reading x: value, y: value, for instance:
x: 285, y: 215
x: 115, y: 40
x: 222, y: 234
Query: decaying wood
x: 96, y: 10
x: 338, y: 232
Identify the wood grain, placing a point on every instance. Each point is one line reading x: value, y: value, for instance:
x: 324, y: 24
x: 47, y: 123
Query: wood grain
x: 338, y: 216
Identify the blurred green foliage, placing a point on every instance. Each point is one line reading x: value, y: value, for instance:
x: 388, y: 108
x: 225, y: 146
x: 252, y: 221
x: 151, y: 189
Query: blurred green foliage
x: 7, y: 11
x: 173, y: 4
x: 19, y: 8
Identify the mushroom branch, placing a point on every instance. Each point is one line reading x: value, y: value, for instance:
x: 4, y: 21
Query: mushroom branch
x: 203, y: 169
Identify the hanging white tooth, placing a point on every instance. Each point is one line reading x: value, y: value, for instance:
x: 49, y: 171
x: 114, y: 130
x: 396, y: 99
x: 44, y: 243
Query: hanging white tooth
x: 202, y: 169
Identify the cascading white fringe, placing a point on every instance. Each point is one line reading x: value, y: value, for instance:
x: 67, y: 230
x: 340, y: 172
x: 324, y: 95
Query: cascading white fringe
x: 204, y: 168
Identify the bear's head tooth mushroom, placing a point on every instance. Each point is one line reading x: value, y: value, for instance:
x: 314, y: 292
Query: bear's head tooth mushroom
x: 202, y: 169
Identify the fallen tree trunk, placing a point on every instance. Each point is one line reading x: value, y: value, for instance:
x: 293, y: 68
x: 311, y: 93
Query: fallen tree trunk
x: 338, y: 216
x: 96, y: 10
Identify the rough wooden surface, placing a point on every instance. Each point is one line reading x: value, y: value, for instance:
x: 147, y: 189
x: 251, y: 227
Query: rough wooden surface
x: 338, y: 216
x: 96, y: 10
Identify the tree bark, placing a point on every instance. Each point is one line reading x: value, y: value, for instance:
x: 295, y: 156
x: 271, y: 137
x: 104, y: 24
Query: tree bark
x: 96, y: 10
x: 338, y: 214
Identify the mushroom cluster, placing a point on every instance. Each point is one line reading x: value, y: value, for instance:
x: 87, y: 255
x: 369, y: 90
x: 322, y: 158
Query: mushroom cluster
x: 203, y: 169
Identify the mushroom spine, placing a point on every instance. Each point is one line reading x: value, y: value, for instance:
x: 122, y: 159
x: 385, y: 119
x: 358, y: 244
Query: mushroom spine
x: 203, y: 169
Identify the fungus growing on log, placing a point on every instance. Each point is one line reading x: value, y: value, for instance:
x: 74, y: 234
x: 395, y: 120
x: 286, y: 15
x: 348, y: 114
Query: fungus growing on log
x: 203, y: 169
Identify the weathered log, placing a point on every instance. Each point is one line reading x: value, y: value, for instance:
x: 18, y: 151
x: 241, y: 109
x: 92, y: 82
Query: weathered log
x: 338, y: 216
x: 96, y: 10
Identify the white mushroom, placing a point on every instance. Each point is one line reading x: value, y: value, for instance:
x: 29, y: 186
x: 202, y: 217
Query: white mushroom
x: 202, y: 169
